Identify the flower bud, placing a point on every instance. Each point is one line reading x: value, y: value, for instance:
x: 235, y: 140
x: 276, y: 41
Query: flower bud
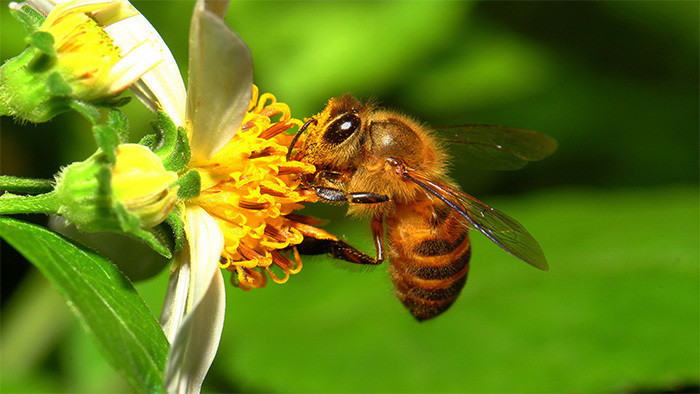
x: 134, y: 192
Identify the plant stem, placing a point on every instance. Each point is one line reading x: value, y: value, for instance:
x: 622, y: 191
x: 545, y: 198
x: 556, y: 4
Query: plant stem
x: 42, y: 203
x: 25, y: 185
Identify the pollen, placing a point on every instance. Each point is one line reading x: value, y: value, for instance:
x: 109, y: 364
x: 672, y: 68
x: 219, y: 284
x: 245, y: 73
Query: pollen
x: 251, y: 190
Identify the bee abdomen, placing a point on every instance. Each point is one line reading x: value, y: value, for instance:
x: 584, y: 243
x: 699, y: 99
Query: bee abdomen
x: 429, y: 262
x: 425, y: 304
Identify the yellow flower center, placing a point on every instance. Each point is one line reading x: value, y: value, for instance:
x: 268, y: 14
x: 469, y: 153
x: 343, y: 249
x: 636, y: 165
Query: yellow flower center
x: 251, y: 190
x: 86, y: 53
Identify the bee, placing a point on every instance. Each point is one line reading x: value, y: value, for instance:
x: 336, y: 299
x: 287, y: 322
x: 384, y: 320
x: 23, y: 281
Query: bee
x: 394, y: 170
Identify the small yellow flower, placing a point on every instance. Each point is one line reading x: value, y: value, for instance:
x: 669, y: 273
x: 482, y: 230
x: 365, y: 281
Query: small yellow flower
x: 91, y: 62
x: 87, y: 51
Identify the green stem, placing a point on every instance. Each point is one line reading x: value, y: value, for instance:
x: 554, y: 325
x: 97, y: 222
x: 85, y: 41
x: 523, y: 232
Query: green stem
x: 42, y: 203
x: 25, y: 185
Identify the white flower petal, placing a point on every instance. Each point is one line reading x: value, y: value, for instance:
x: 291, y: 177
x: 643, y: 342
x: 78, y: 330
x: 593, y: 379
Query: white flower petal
x: 197, y: 341
x: 220, y: 83
x: 195, y: 266
x: 206, y: 241
x: 162, y: 87
x: 173, y: 311
x: 193, y: 312
x: 218, y: 7
x: 135, y: 64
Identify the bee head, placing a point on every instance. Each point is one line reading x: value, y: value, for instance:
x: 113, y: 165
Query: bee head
x: 335, y: 135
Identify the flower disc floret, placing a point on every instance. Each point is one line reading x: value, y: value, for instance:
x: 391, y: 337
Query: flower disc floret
x: 250, y: 189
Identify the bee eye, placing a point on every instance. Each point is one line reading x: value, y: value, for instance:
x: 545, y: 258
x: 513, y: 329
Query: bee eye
x: 342, y: 128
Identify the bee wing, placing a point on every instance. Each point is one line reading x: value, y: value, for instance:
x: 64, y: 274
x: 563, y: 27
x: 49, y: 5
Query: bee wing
x: 498, y: 147
x: 500, y: 228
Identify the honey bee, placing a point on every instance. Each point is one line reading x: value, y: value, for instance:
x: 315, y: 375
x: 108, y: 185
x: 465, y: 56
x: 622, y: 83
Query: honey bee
x: 391, y: 168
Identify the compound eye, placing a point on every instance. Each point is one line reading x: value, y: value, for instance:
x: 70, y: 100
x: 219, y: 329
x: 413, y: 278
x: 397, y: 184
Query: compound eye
x: 342, y: 128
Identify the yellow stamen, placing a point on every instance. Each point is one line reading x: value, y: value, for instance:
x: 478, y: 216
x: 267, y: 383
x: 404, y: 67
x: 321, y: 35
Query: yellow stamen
x: 249, y: 188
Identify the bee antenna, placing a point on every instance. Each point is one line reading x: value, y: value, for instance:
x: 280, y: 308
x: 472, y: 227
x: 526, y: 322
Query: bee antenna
x: 296, y: 137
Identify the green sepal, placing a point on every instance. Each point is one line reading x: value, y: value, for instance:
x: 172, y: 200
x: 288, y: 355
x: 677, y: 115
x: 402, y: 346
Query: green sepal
x: 103, y: 176
x: 119, y: 123
x: 166, y: 131
x: 30, y: 18
x: 128, y: 222
x: 57, y: 85
x: 190, y: 185
x: 44, y: 42
x: 150, y: 141
x: 157, y: 238
x: 172, y: 145
x: 180, y: 157
x: 107, y: 140
x: 113, y: 102
x: 177, y: 227
x: 84, y: 191
x: 89, y: 111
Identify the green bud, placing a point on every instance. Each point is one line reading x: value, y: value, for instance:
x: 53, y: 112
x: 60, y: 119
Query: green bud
x: 135, y: 192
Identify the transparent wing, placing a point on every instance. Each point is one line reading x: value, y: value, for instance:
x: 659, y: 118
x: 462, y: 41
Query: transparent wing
x: 497, y: 147
x: 505, y: 231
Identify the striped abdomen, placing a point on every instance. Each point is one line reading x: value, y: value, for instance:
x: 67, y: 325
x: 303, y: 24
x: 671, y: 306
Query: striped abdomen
x: 429, y: 252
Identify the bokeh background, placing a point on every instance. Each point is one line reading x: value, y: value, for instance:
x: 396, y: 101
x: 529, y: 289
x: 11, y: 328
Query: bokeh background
x: 615, y: 209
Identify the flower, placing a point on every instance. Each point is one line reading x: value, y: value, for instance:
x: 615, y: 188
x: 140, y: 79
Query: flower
x: 87, y: 56
x: 97, y: 48
x: 71, y: 56
x: 98, y: 195
x: 242, y: 219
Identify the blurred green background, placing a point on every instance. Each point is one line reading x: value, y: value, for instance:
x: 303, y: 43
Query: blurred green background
x: 615, y: 209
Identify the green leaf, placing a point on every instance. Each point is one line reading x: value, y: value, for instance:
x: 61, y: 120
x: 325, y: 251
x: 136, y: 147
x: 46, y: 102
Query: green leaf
x: 104, y: 300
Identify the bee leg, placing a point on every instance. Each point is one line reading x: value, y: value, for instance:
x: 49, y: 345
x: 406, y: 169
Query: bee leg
x: 367, y: 198
x: 378, y: 234
x: 337, y: 249
x: 331, y: 194
x: 337, y: 195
